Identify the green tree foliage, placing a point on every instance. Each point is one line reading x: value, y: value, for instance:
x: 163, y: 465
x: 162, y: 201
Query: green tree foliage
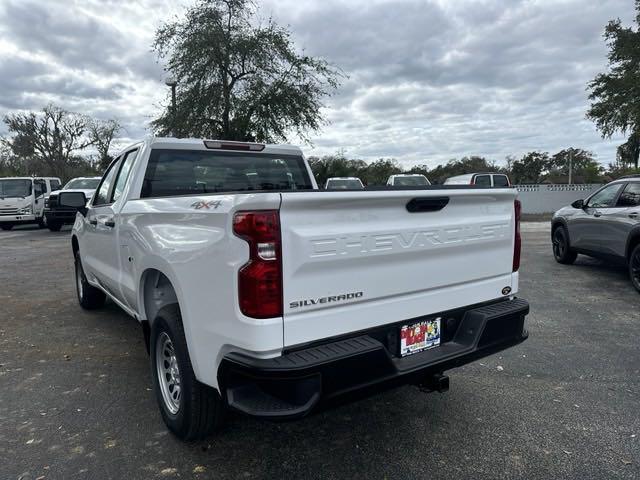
x: 238, y: 78
x: 51, y: 142
x: 530, y: 168
x: 336, y: 166
x: 461, y: 166
x: 585, y: 168
x: 379, y: 171
x: 615, y: 95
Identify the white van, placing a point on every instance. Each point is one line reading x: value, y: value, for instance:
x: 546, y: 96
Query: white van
x: 488, y: 179
x: 22, y: 199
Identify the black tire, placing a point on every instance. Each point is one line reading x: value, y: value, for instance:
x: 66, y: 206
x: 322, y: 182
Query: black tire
x: 199, y: 407
x: 562, y: 251
x: 634, y: 267
x: 42, y: 222
x: 54, y: 226
x: 89, y: 297
x: 6, y: 227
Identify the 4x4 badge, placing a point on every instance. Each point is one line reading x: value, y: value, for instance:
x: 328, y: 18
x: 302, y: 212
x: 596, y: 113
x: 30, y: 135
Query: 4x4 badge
x: 206, y: 205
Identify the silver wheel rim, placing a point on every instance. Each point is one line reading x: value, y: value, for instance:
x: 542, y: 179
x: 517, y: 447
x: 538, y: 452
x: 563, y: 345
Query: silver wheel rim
x: 168, y: 373
x: 79, y: 280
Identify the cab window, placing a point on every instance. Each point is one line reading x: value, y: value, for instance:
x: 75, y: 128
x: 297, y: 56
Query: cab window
x: 500, y: 181
x: 55, y: 184
x: 39, y: 188
x: 482, y: 180
x: 125, y: 169
x: 102, y: 194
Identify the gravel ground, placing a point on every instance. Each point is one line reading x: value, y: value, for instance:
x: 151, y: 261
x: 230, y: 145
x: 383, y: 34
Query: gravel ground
x: 75, y: 398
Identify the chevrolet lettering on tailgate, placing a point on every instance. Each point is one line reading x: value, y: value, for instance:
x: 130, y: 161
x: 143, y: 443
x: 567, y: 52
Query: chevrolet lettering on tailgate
x: 423, y: 239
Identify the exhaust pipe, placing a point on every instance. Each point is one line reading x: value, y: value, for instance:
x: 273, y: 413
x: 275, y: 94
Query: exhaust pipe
x: 435, y: 383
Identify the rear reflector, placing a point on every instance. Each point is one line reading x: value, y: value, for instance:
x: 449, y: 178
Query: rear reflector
x: 260, y: 279
x: 248, y: 147
x: 517, y: 245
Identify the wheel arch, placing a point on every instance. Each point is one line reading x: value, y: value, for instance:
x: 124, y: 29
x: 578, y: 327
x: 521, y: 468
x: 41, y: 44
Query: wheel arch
x: 632, y: 241
x: 560, y: 222
x: 156, y: 291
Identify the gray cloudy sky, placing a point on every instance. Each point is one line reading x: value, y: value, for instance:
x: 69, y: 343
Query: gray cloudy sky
x: 429, y: 80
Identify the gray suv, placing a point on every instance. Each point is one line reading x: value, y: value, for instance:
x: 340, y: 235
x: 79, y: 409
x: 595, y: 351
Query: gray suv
x: 605, y: 225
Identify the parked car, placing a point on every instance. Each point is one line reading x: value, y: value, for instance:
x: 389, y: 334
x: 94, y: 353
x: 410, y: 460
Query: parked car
x: 22, y: 200
x: 343, y: 183
x: 605, y: 225
x: 497, y: 180
x: 274, y: 300
x: 408, y: 180
x: 56, y: 215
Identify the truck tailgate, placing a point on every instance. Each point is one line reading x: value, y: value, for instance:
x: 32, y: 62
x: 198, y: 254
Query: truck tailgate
x: 356, y: 260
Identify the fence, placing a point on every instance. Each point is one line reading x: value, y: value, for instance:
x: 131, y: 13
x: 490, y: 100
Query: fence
x: 549, y: 198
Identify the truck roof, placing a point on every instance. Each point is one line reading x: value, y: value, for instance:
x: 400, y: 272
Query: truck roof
x: 199, y: 144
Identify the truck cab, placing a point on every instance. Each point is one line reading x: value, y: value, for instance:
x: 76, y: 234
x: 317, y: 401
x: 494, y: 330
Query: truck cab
x: 22, y: 200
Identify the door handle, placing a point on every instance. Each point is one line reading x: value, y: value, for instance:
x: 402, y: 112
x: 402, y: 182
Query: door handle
x: 597, y: 214
x: 633, y: 215
x: 93, y: 222
x: 109, y: 223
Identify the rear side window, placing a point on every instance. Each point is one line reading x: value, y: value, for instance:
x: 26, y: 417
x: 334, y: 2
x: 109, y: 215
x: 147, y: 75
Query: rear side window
x: 500, y: 181
x: 55, y: 185
x: 630, y: 197
x: 482, y: 181
x: 193, y: 172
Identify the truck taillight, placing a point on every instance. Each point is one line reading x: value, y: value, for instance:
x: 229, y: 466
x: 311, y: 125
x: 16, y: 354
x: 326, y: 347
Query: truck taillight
x: 517, y: 246
x: 260, y: 279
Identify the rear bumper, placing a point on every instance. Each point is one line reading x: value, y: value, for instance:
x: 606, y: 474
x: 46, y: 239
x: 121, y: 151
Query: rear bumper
x: 295, y: 383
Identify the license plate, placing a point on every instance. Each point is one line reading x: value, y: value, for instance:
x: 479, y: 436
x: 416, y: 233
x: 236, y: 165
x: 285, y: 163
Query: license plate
x: 420, y: 336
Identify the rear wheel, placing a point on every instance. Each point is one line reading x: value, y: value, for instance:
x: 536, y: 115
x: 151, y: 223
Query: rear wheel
x: 6, y: 227
x: 89, y: 297
x: 634, y: 267
x: 562, y: 252
x: 189, y: 408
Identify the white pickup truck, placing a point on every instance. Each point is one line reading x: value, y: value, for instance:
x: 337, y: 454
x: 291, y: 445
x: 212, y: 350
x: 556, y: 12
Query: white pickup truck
x: 260, y: 293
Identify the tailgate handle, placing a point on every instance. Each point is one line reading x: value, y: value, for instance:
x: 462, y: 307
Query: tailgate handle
x: 427, y: 204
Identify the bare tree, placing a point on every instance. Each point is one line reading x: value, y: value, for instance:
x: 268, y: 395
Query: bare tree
x: 102, y: 133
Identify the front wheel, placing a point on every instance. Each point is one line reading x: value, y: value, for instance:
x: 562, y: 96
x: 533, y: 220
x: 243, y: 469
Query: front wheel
x: 189, y: 408
x: 89, y: 297
x: 562, y: 252
x: 42, y: 222
x: 634, y: 267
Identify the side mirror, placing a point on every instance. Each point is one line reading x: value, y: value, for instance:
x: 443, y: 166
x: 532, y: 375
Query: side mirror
x: 75, y: 200
x: 578, y: 204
